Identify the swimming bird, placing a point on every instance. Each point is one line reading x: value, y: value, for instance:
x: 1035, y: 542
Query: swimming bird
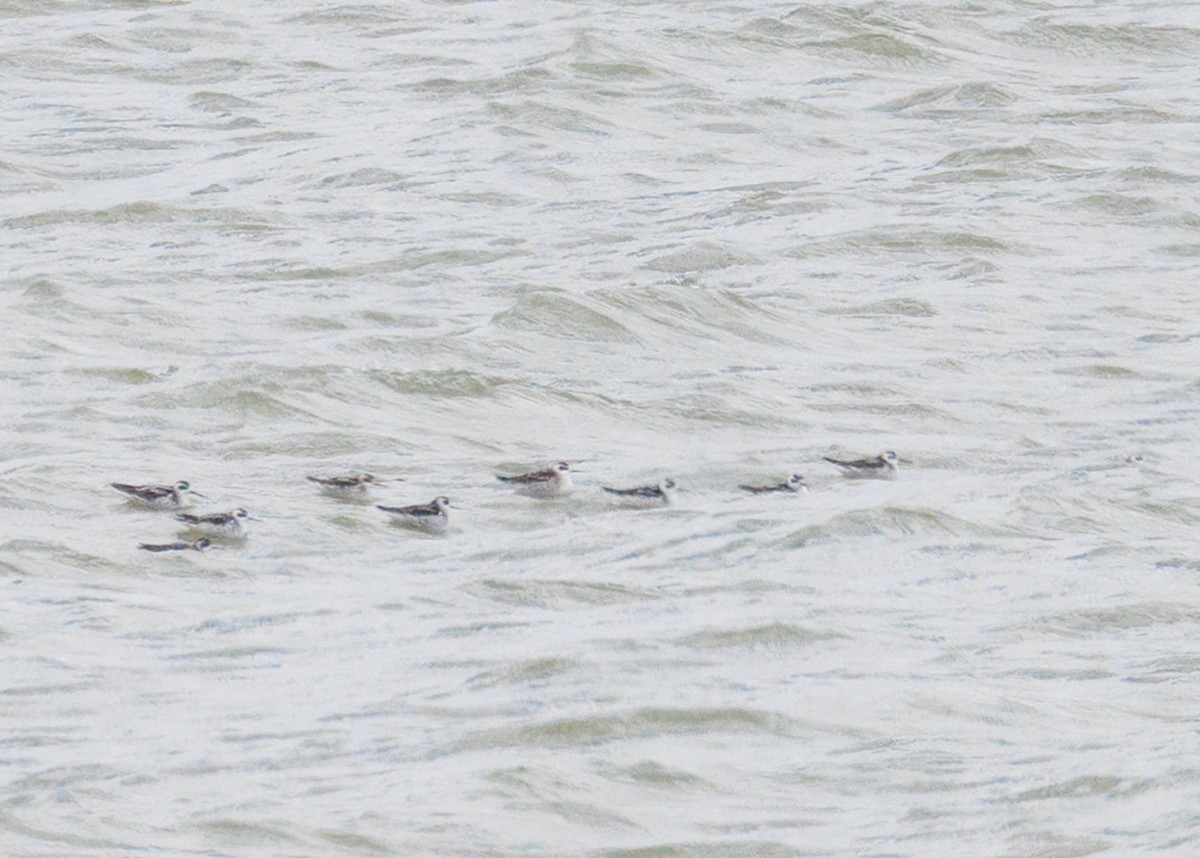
x: 542, y: 484
x: 430, y: 517
x: 157, y: 497
x: 661, y: 494
x: 350, y: 486
x: 217, y: 523
x: 794, y: 483
x: 198, y: 545
x: 885, y: 466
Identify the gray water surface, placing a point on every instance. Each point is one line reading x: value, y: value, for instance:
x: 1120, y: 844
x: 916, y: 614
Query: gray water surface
x: 244, y: 243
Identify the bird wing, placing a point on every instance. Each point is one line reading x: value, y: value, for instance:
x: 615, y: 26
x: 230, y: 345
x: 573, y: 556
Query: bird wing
x: 337, y: 482
x: 640, y: 491
x: 857, y: 463
x: 534, y: 477
x: 146, y: 492
x: 212, y: 518
x: 416, y: 509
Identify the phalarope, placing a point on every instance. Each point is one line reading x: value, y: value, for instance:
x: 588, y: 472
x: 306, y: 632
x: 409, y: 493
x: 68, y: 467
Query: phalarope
x: 217, y: 523
x: 794, y: 483
x: 661, y: 494
x: 198, y: 545
x: 430, y: 517
x: 542, y: 484
x: 350, y: 486
x: 157, y: 497
x: 885, y: 466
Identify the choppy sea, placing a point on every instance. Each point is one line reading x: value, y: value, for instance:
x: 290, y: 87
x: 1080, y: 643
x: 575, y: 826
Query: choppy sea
x: 716, y: 242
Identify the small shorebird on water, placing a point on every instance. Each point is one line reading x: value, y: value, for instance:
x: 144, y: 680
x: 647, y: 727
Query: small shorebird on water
x: 542, y: 484
x: 885, y: 466
x: 198, y: 545
x: 157, y: 497
x: 349, y: 486
x: 794, y: 483
x: 430, y: 517
x: 661, y: 494
x: 217, y: 523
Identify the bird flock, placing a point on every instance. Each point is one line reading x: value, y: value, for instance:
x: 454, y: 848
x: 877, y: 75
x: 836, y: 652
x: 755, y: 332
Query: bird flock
x: 432, y: 517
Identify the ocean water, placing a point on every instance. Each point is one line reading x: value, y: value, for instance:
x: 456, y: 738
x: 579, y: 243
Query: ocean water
x: 440, y: 241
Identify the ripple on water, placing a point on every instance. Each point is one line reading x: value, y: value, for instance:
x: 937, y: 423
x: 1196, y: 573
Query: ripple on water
x: 534, y: 670
x: 247, y: 834
x: 913, y: 308
x: 532, y: 789
x: 558, y: 315
x: 1124, y: 40
x: 557, y: 594
x: 225, y: 397
x: 637, y: 724
x: 953, y: 99
x: 901, y: 240
x: 1121, y: 619
x: 679, y: 311
x: 900, y: 521
x: 722, y: 848
x: 364, y: 177
x: 654, y: 774
x: 771, y: 636
x: 142, y: 212
x: 1087, y: 786
x: 233, y: 659
x: 877, y: 48
x: 441, y: 383
x: 703, y: 256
